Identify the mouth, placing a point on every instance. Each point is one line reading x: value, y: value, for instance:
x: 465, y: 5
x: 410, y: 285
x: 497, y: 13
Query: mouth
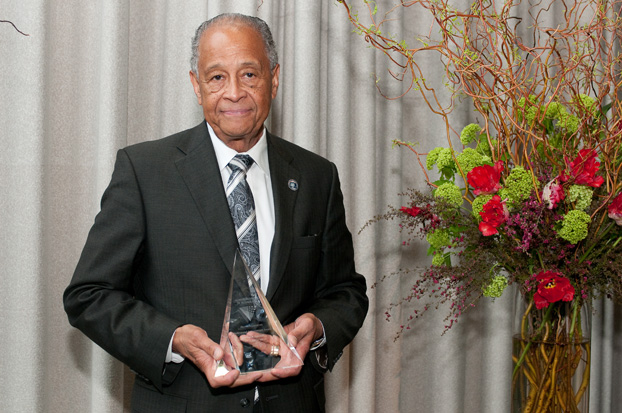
x: 236, y: 112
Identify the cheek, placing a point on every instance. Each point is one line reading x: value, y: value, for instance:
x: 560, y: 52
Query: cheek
x: 263, y: 98
x: 210, y: 101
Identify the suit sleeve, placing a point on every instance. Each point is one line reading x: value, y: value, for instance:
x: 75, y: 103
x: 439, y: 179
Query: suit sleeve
x: 100, y: 299
x: 341, y: 303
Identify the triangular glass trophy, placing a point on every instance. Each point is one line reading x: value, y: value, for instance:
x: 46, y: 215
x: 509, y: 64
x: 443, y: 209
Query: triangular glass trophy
x: 252, y: 336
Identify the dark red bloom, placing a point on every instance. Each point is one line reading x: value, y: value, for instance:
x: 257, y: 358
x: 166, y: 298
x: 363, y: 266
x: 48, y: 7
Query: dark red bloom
x: 494, y: 213
x: 615, y: 209
x: 485, y: 179
x: 414, y: 211
x: 552, y: 287
x: 583, y: 169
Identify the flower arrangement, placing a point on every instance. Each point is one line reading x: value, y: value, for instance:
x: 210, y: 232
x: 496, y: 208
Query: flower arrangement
x: 553, y: 229
x: 531, y: 195
x: 536, y: 183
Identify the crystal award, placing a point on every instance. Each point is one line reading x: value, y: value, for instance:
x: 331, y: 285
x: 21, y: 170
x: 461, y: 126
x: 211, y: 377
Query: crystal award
x: 252, y: 336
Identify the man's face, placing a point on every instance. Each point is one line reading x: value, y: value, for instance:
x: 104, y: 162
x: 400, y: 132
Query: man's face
x: 235, y: 85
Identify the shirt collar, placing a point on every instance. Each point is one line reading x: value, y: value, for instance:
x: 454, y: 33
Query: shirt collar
x: 224, y: 154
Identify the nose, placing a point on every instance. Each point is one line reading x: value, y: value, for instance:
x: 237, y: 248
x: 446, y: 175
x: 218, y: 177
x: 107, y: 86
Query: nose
x: 234, y: 90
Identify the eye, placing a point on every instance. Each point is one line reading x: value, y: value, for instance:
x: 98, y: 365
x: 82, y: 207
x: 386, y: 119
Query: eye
x: 217, y: 77
x: 249, y: 75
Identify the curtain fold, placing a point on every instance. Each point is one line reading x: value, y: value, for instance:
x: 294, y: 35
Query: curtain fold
x: 93, y: 77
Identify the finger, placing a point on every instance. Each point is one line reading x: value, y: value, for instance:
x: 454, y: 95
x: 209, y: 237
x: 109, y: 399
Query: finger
x: 289, y: 327
x: 225, y: 380
x: 189, y: 339
x: 265, y: 338
x: 292, y: 339
x: 281, y: 373
x: 235, y: 379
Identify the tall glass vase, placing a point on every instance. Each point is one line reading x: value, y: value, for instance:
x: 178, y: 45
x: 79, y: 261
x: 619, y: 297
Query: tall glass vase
x: 551, y: 357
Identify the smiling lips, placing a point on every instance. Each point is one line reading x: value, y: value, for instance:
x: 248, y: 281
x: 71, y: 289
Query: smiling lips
x: 235, y: 112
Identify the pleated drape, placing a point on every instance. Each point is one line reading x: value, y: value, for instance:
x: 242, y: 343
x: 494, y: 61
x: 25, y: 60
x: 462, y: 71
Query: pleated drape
x: 95, y: 76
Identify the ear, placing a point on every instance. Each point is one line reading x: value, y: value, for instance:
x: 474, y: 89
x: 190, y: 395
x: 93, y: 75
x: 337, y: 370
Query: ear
x: 195, y: 86
x: 275, y: 80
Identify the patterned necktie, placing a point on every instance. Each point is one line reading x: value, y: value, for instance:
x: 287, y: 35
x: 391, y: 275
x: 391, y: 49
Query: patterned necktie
x: 242, y: 206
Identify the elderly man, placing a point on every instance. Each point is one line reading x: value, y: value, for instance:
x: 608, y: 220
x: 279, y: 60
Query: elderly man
x: 153, y: 278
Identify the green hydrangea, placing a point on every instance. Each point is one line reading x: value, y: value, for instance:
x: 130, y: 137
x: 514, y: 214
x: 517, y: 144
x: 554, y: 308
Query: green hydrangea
x: 445, y: 160
x: 553, y: 110
x: 470, y: 133
x: 470, y: 158
x: 531, y: 114
x: 438, y: 239
x: 568, y: 122
x: 574, y: 226
x: 496, y: 287
x: 430, y: 160
x: 588, y: 104
x: 581, y: 196
x: 478, y: 205
x: 438, y: 260
x: 518, y: 186
x: 525, y: 108
x: 521, y: 103
x: 450, y: 193
x: 483, y: 146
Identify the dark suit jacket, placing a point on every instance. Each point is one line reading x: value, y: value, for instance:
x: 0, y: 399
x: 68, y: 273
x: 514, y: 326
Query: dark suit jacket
x: 160, y: 252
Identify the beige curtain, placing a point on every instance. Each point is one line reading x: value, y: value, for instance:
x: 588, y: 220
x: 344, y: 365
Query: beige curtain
x: 94, y: 76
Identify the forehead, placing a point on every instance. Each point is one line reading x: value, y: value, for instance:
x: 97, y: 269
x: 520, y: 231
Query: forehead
x: 227, y: 40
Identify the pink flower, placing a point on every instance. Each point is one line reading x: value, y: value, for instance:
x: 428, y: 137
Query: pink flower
x: 615, y: 209
x: 552, y: 194
x: 414, y: 211
x: 494, y: 213
x: 583, y: 169
x: 552, y: 287
x: 485, y: 179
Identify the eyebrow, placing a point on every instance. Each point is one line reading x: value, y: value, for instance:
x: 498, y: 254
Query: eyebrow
x: 217, y: 66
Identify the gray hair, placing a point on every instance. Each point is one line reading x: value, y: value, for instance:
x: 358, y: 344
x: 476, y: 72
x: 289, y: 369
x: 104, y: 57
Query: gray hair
x: 254, y: 22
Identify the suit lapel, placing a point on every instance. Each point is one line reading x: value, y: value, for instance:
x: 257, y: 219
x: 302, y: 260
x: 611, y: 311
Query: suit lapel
x: 281, y: 172
x: 199, y: 170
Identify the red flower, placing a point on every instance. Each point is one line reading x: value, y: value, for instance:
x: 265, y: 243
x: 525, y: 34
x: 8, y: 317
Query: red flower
x: 494, y: 213
x: 583, y: 169
x: 485, y: 179
x: 615, y: 209
x: 552, y: 194
x: 414, y: 211
x: 552, y: 287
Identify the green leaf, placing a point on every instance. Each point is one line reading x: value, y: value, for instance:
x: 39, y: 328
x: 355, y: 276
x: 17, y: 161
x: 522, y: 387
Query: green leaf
x: 448, y: 260
x: 441, y: 182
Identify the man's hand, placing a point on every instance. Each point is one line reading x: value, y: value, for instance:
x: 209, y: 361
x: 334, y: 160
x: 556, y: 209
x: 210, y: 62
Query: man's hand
x: 193, y: 343
x: 305, y: 330
x: 300, y: 334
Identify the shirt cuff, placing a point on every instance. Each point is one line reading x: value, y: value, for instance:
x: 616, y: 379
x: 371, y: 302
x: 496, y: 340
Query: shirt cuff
x: 320, y: 342
x: 171, y: 356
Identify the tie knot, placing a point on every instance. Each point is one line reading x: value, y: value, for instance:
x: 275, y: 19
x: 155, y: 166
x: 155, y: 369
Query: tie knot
x: 241, y: 162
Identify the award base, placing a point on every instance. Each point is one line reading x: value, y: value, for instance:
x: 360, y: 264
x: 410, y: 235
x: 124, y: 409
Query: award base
x: 252, y: 336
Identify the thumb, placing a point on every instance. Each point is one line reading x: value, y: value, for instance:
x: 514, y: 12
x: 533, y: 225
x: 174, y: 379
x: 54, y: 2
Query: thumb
x: 292, y: 340
x: 217, y: 352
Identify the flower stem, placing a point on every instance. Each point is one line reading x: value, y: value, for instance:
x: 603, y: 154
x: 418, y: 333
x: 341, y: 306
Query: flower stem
x: 575, y: 310
x: 589, y: 250
x: 546, y: 318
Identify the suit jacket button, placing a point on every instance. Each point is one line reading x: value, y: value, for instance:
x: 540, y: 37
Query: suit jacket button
x: 245, y: 402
